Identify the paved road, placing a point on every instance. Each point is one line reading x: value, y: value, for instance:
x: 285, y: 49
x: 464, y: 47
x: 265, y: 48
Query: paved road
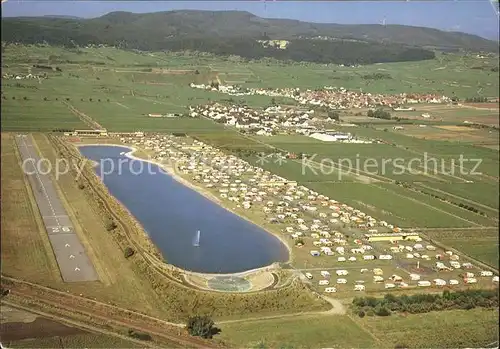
x: 74, y: 264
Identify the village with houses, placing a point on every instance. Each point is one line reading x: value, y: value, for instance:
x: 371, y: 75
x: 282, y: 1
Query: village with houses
x: 337, y: 98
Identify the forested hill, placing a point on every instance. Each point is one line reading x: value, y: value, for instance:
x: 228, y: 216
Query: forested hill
x: 234, y: 32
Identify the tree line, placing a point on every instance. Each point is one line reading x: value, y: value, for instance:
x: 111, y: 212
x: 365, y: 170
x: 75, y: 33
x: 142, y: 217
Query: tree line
x: 424, y: 303
x: 476, y: 99
x: 299, y: 50
x: 379, y: 114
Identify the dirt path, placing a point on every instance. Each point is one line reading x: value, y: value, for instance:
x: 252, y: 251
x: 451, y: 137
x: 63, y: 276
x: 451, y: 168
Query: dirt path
x: 122, y: 105
x: 457, y: 229
x: 84, y: 117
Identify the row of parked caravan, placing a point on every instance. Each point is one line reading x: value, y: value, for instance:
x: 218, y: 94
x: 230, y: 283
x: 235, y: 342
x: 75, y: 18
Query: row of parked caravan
x: 395, y: 280
x: 326, y: 280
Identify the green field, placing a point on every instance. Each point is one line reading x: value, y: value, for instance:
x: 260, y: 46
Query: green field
x: 33, y: 115
x: 479, y: 192
x: 481, y: 244
x: 374, y: 191
x: 145, y: 82
x: 302, y: 332
x: 446, y: 329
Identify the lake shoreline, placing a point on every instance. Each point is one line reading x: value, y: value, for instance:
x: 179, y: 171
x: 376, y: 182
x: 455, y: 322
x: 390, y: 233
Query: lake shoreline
x: 170, y: 171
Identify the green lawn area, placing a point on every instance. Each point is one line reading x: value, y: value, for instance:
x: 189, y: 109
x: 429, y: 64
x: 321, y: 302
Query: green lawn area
x: 303, y: 332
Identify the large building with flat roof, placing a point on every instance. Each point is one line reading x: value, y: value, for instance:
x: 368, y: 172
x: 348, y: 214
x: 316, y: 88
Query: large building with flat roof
x: 102, y: 132
x: 392, y: 237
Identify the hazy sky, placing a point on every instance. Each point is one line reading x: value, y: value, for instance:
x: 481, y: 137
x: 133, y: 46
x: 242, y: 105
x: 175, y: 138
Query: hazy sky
x: 470, y: 16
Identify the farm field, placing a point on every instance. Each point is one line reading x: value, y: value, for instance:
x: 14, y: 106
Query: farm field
x: 21, y: 329
x: 433, y: 161
x: 481, y: 244
x: 451, y: 133
x: 477, y: 192
x: 127, y: 116
x: 390, y: 206
x: 458, y: 114
x: 455, y: 328
x: 445, y: 329
x: 34, y: 115
x: 74, y: 341
x: 304, y: 332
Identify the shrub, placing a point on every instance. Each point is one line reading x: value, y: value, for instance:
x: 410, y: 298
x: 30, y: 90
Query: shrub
x: 382, y: 311
x: 201, y: 326
x: 139, y: 335
x: 361, y: 314
x: 110, y: 224
x: 129, y: 252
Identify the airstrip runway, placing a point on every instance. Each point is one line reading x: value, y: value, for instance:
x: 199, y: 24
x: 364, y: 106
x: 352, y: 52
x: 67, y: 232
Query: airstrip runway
x: 74, y: 264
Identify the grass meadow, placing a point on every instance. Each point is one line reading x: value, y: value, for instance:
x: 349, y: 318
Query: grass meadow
x: 481, y: 244
x: 446, y: 329
x: 301, y: 332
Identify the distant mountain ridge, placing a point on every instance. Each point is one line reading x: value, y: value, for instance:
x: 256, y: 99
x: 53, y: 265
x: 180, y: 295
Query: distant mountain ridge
x: 62, y: 16
x: 225, y: 32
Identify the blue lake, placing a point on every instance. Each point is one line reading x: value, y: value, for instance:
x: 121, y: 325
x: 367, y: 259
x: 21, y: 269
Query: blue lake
x: 172, y: 213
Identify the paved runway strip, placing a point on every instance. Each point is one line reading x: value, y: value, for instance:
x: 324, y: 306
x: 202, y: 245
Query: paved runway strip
x: 74, y: 264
